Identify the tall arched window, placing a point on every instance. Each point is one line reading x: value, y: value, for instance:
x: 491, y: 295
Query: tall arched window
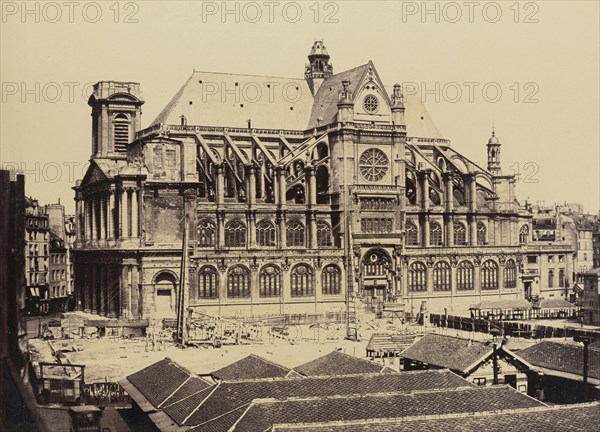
x: 323, y: 234
x: 489, y: 275
x: 561, y: 278
x: 238, y: 282
x: 460, y: 234
x: 269, y: 281
x: 551, y: 279
x: 265, y: 233
x: 121, y: 133
x: 435, y: 234
x: 235, y: 234
x: 206, y: 233
x: 331, y: 280
x: 302, y: 283
x: 442, y: 280
x: 295, y: 234
x: 464, y: 276
x: 481, y: 233
x: 524, y: 234
x: 208, y: 282
x: 412, y: 234
x: 510, y: 274
x: 417, y: 277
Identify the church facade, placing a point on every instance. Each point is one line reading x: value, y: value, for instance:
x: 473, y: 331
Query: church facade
x: 294, y: 195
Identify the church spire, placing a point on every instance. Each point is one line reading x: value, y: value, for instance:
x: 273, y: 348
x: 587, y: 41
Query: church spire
x: 318, y: 68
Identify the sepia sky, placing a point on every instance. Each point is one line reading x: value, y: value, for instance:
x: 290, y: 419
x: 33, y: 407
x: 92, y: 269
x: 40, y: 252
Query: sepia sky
x: 543, y: 58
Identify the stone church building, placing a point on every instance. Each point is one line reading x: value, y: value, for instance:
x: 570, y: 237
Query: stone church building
x: 296, y: 193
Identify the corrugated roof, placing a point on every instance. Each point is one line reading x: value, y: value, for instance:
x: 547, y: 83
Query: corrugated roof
x: 448, y: 352
x: 577, y: 417
x: 338, y: 363
x: 251, y: 367
x: 264, y: 414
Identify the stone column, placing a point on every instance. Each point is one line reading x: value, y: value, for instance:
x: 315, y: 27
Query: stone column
x: 251, y: 219
x: 311, y: 186
x: 86, y: 287
x: 102, y: 222
x: 78, y: 227
x: 448, y: 192
x: 477, y: 277
x: 135, y: 289
x: 425, y: 231
x: 282, y: 235
x: 110, y: 217
x: 251, y: 186
x: 94, y: 222
x: 282, y: 188
x: 312, y: 228
x: 124, y: 214
x: 88, y: 220
x: 429, y: 270
x: 103, y: 289
x: 472, y: 228
x: 134, y: 213
x: 220, y: 186
x: 220, y: 229
x: 125, y: 292
x: 423, y: 179
x: 449, y: 230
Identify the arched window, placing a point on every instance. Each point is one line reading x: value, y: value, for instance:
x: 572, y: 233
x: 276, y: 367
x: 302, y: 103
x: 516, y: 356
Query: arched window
x: 235, y: 234
x: 481, y: 233
x: 551, y: 279
x: 464, y: 276
x: 331, y: 280
x: 524, y: 234
x: 265, y: 233
x: 206, y: 233
x: 561, y: 278
x: 417, y: 277
x: 375, y: 263
x: 238, y: 282
x: 510, y: 274
x: 412, y: 234
x: 121, y: 133
x: 295, y: 234
x: 301, y: 280
x: 323, y: 234
x: 489, y: 275
x: 435, y: 234
x: 208, y: 282
x: 442, y: 280
x: 269, y: 281
x: 460, y: 234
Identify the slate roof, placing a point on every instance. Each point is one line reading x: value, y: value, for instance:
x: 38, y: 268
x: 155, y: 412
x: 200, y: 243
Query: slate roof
x: 160, y: 380
x: 251, y: 367
x: 262, y: 414
x: 227, y: 397
x: 338, y: 363
x: 574, y: 418
x: 448, y: 352
x: 229, y: 100
x: 562, y: 358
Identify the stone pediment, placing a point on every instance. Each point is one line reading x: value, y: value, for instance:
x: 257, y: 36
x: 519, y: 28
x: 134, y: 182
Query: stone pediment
x: 94, y: 174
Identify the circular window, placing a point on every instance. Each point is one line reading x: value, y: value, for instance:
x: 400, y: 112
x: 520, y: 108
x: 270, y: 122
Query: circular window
x: 373, y: 164
x: 370, y: 104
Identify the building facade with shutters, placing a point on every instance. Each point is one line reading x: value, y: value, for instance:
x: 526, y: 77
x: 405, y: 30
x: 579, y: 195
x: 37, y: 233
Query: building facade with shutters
x: 296, y: 193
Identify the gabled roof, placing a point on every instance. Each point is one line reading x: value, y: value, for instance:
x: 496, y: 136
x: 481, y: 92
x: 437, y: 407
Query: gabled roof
x: 230, y: 100
x: 160, y: 380
x: 383, y: 342
x: 456, y: 354
x: 502, y: 304
x: 562, y: 358
x: 338, y: 363
x: 251, y: 367
x: 576, y: 417
x: 556, y: 304
x: 263, y: 414
x: 229, y: 399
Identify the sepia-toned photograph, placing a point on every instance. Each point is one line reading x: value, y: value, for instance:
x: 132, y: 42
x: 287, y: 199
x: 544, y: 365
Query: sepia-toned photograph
x: 300, y: 216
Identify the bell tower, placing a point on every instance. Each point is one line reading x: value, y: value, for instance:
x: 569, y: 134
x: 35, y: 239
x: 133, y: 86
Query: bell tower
x: 493, y: 151
x: 318, y: 67
x: 116, y: 117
